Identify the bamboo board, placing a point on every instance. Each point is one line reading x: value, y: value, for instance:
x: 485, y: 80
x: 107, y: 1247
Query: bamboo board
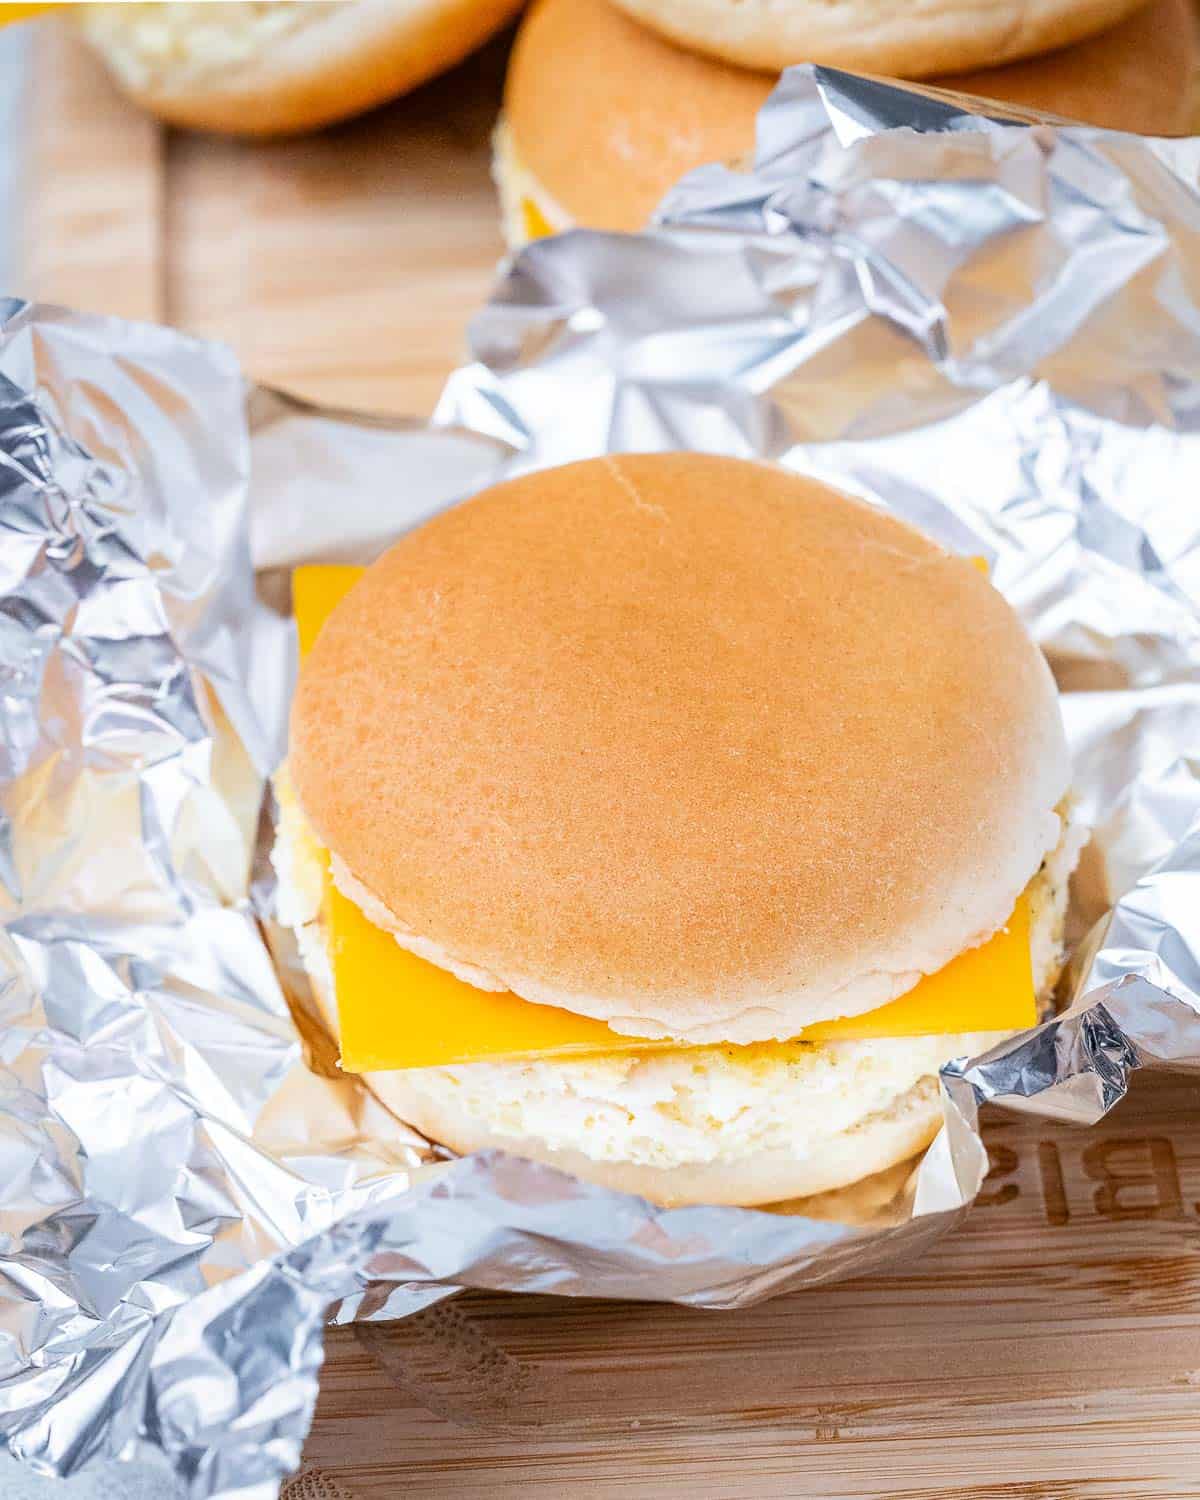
x: 1050, y: 1350
x: 342, y: 265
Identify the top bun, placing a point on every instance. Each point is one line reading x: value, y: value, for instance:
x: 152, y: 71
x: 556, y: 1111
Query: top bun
x: 273, y: 67
x: 686, y: 743
x: 588, y: 85
x: 878, y: 36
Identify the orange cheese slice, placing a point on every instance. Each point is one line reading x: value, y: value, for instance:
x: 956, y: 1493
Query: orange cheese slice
x: 396, y: 1010
x: 536, y: 224
x: 22, y: 12
x: 316, y: 593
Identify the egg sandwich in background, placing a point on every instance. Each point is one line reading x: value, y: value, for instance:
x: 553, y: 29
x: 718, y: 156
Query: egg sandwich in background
x: 276, y: 67
x: 921, y: 40
x: 671, y: 819
x: 602, y: 115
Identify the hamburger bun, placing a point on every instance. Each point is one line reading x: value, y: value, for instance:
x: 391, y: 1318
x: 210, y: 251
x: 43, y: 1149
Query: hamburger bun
x: 601, y: 117
x: 1139, y: 76
x: 688, y: 744
x: 878, y: 36
x: 275, y: 67
x: 706, y: 749
x: 587, y: 87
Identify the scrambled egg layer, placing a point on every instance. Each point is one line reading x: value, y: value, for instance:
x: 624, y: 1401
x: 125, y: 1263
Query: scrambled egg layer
x: 185, y: 40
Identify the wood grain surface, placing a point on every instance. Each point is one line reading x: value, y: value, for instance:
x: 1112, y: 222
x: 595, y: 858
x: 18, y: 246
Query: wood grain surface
x: 1049, y: 1350
x: 343, y: 265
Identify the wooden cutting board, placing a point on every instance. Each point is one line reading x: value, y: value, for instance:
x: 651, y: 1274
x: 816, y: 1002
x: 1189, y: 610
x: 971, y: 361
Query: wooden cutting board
x: 342, y: 265
x: 1050, y: 1350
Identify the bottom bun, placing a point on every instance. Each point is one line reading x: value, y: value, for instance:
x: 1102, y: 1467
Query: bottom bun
x: 880, y: 1141
x: 883, y: 1200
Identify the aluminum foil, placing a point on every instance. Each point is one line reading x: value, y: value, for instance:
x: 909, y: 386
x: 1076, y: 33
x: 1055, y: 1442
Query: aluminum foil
x: 992, y: 329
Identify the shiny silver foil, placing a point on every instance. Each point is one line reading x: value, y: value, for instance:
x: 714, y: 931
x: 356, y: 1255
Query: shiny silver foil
x: 992, y: 329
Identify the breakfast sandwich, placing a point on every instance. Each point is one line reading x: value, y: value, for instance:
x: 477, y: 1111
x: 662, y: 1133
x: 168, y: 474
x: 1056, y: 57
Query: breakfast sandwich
x: 671, y: 819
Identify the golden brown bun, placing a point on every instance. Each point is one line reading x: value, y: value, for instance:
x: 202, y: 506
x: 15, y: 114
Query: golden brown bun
x: 1138, y: 76
x: 588, y: 85
x: 878, y: 36
x: 277, y: 68
x: 608, y: 116
x: 687, y: 743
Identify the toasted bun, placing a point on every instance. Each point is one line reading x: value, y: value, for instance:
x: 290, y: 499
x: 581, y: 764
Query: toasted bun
x: 740, y: 1125
x: 273, y: 68
x: 878, y: 1142
x: 686, y: 743
x: 878, y: 36
x: 1138, y: 76
x: 588, y: 85
x: 608, y: 116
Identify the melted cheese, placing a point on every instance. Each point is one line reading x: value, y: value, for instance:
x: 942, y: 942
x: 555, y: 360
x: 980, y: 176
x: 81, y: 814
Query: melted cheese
x: 396, y: 1010
x: 536, y: 225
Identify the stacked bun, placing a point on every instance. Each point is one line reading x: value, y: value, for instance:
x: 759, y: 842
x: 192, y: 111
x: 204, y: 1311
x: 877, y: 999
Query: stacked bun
x: 603, y: 113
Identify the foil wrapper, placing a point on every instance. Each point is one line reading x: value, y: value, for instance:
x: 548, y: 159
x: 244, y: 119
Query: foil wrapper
x: 991, y: 328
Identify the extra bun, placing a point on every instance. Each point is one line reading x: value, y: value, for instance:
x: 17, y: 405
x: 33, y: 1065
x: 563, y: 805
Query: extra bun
x: 243, y: 67
x: 686, y: 743
x: 588, y: 85
x: 878, y: 36
x: 1138, y: 76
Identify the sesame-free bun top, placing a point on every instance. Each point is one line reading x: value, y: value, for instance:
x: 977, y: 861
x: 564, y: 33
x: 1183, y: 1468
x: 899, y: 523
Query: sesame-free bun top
x: 588, y: 85
x: 274, y: 67
x: 687, y: 743
x: 607, y: 116
x: 914, y: 40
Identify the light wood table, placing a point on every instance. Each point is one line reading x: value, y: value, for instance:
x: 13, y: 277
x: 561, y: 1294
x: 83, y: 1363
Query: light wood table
x: 342, y: 265
x: 1050, y: 1350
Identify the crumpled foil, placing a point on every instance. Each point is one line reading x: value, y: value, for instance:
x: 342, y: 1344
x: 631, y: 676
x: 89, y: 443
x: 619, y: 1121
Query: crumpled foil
x: 992, y: 329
